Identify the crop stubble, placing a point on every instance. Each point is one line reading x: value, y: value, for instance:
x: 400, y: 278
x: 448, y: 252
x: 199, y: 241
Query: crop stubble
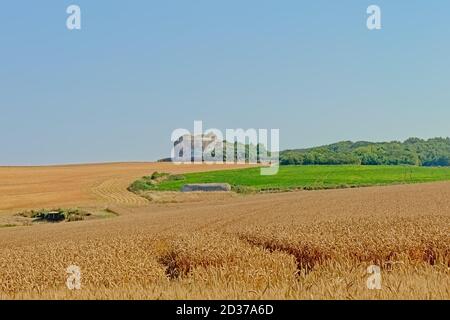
x: 298, y: 245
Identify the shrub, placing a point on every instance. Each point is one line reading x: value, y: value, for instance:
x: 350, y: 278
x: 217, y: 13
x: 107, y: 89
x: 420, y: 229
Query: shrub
x: 157, y: 175
x: 149, y: 182
x: 140, y: 185
x: 176, y: 177
x: 243, y: 189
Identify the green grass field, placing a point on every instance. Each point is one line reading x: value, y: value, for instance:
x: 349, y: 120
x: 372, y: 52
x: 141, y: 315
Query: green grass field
x: 307, y: 177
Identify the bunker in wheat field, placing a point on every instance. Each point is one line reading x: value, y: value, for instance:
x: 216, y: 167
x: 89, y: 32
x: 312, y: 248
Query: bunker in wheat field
x: 206, y: 187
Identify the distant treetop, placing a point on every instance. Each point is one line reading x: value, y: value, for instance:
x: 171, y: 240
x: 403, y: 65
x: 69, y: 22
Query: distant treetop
x: 413, y: 151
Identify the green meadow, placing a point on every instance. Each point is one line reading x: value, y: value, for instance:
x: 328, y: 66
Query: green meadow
x: 304, y: 177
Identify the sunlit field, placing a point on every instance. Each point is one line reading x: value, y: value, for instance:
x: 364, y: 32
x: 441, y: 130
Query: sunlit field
x: 305, y: 244
x: 311, y: 177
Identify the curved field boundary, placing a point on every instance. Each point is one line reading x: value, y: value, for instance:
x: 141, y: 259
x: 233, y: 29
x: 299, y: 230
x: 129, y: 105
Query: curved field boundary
x: 115, y: 191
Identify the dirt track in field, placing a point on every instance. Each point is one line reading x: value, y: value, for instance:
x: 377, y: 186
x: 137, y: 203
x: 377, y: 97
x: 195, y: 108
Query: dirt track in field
x: 80, y: 185
x: 249, y: 246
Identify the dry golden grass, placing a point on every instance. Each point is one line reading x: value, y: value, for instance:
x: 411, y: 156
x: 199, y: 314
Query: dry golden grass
x: 81, y: 185
x: 299, y: 245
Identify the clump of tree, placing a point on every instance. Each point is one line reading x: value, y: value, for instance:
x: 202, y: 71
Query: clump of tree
x: 413, y: 151
x: 231, y: 152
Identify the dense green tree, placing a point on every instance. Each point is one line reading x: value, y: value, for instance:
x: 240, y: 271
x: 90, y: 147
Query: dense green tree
x: 413, y: 151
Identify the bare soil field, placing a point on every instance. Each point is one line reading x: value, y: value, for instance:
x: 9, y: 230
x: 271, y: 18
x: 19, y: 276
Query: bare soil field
x: 295, y: 245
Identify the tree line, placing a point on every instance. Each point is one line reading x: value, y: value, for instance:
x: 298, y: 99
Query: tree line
x: 413, y: 151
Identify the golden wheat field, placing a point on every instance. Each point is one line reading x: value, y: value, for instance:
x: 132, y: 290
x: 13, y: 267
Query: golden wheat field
x: 295, y: 245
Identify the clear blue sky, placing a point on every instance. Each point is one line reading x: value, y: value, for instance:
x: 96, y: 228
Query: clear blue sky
x: 137, y: 70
